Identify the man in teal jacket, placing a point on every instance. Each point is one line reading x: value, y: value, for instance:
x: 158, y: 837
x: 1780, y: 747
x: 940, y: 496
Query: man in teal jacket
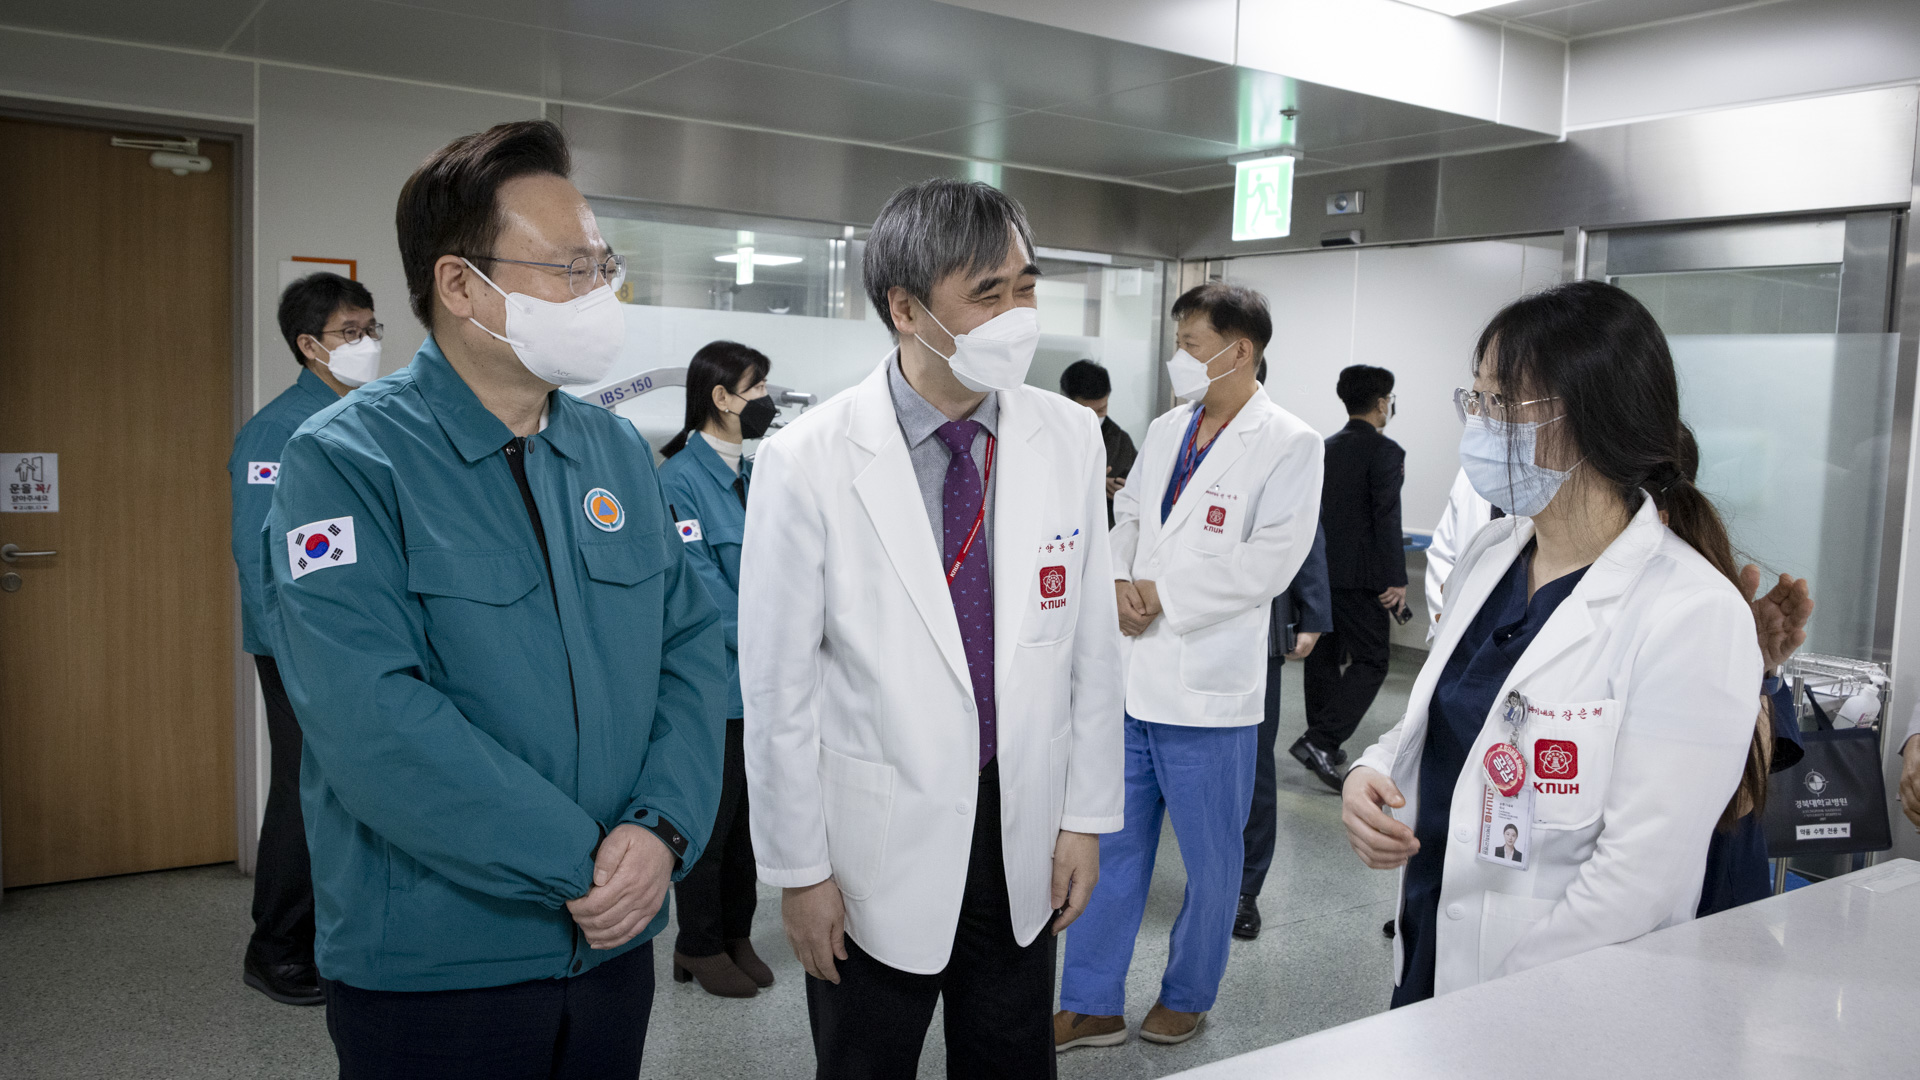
x: 511, y: 683
x: 321, y: 316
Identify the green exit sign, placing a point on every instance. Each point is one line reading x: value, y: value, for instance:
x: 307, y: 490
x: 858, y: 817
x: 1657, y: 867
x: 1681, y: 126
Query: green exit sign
x: 1262, y: 198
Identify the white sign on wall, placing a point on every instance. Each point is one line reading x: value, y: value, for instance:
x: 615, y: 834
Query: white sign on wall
x: 33, y: 483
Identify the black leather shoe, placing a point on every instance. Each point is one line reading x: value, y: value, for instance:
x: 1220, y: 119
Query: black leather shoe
x: 1387, y: 930
x: 288, y: 984
x: 1318, y: 762
x: 1246, y: 921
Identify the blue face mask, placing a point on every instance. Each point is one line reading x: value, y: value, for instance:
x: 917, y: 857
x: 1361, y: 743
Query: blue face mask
x: 1519, y: 487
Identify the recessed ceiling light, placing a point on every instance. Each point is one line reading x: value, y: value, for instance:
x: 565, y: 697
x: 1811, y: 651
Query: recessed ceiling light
x: 759, y: 259
x: 1456, y: 7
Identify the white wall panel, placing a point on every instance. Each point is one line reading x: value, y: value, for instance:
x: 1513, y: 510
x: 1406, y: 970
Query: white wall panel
x: 1751, y: 54
x: 124, y: 76
x: 333, y: 151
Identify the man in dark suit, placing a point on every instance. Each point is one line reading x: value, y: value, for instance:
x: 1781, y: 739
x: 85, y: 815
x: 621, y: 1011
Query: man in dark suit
x: 1087, y: 383
x: 1300, y: 616
x: 1366, y: 566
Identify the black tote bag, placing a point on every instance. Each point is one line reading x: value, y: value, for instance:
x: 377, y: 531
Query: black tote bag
x: 1833, y: 800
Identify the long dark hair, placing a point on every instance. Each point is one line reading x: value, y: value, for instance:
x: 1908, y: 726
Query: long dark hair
x: 1600, y: 352
x: 718, y: 363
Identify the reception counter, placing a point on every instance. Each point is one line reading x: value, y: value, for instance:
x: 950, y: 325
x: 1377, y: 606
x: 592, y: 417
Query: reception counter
x: 1821, y: 981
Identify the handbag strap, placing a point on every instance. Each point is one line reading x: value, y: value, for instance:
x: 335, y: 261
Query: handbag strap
x: 1820, y: 718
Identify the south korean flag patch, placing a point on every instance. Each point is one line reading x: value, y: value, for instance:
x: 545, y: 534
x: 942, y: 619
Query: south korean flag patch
x: 689, y: 530
x: 320, y: 545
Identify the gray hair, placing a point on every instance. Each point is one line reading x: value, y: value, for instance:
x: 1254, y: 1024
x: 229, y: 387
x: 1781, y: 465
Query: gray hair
x: 934, y: 228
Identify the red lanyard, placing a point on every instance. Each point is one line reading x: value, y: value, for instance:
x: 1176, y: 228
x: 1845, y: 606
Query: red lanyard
x: 1186, y: 452
x: 979, y: 518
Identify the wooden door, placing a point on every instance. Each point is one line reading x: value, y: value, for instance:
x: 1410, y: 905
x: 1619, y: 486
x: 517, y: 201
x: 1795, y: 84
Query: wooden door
x: 116, y: 654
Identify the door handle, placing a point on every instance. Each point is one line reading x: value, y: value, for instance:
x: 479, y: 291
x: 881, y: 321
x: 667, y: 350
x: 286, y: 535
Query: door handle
x: 12, y: 553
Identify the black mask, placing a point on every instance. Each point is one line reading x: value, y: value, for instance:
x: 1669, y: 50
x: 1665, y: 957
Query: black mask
x: 757, y: 416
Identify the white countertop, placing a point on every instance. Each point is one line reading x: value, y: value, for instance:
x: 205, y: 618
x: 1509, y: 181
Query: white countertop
x: 1823, y: 980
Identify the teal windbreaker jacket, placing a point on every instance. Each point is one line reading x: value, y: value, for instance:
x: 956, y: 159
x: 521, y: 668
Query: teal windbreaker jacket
x: 700, y: 491
x: 472, y: 732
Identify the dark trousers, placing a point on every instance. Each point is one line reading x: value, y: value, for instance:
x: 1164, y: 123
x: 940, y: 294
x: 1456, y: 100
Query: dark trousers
x: 999, y: 996
x: 716, y: 899
x: 1263, y: 816
x: 282, y: 876
x: 590, y: 1027
x: 1337, y: 699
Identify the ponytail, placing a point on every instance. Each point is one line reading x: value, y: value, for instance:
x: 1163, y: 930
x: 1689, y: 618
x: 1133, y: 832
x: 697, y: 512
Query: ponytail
x: 676, y: 444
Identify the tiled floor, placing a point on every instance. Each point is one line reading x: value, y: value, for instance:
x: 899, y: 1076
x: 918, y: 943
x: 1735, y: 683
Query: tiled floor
x: 140, y: 976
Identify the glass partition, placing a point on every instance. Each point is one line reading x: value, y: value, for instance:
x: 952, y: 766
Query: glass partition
x: 794, y: 291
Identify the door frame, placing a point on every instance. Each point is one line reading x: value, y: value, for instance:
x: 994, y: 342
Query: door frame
x: 248, y: 742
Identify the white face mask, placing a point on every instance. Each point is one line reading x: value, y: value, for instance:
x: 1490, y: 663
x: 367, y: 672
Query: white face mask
x: 996, y: 354
x: 565, y: 344
x: 1189, y: 376
x: 1521, y: 487
x: 356, y: 363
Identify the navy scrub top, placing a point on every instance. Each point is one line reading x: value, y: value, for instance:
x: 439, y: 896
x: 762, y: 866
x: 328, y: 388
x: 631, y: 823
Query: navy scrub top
x: 1496, y: 639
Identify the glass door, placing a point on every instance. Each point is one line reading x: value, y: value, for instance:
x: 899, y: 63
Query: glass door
x: 1787, y: 373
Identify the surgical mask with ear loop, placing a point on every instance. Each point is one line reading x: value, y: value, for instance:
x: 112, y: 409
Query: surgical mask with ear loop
x: 566, y: 344
x: 355, y: 363
x: 1189, y: 376
x: 994, y: 355
x: 1513, y: 483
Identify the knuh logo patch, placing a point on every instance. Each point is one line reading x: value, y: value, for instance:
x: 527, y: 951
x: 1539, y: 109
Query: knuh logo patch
x: 1556, y: 759
x: 1053, y: 581
x: 1216, y: 516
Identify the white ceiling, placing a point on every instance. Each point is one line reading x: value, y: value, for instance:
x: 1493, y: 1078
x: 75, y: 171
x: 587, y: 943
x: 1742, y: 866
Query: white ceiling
x: 1583, y: 18
x: 912, y: 74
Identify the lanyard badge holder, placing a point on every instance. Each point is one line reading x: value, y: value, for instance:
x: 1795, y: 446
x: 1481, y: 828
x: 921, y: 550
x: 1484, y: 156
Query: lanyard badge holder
x: 1506, y: 800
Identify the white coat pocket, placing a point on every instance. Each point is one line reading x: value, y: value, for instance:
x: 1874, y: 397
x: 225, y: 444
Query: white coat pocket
x: 1227, y: 658
x: 1504, y: 920
x: 858, y: 797
x: 1215, y: 525
x: 1053, y: 593
x: 1569, y: 753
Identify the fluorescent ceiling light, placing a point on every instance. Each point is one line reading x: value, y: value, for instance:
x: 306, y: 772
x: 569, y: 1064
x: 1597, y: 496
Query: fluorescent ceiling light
x: 1456, y: 7
x: 759, y: 259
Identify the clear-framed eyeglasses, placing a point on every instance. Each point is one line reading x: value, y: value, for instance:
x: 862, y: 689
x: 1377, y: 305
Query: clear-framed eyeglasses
x: 1487, y: 403
x: 584, y: 274
x: 352, y: 334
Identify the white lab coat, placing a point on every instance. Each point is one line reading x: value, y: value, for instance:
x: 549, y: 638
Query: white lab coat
x: 862, y: 739
x: 1653, y: 672
x: 1238, y: 533
x: 1466, y: 514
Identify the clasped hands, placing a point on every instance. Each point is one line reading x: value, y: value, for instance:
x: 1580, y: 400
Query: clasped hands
x: 1139, y: 605
x: 631, y: 872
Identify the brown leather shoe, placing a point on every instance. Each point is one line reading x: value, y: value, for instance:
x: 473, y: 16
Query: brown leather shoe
x: 718, y: 975
x: 744, y: 958
x: 1163, y: 1025
x: 1071, y: 1029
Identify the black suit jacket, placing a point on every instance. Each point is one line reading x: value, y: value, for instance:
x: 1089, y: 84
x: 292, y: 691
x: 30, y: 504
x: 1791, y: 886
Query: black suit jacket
x: 1360, y: 509
x: 1120, y: 455
x: 1307, y: 605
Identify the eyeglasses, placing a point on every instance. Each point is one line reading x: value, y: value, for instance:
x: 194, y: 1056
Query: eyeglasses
x: 584, y: 274
x: 352, y: 334
x: 1489, y: 404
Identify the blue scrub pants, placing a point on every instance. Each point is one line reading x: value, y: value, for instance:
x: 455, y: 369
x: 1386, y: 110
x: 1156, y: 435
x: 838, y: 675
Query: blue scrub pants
x: 1202, y: 778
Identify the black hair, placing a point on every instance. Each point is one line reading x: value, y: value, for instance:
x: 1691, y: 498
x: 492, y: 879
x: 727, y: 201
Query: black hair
x: 450, y: 205
x: 1362, y: 386
x: 307, y: 304
x: 1599, y: 352
x: 934, y: 228
x: 1085, y: 380
x: 1233, y: 311
x: 718, y: 363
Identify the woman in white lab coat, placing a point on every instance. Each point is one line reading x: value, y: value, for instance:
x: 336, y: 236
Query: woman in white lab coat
x: 1595, y: 680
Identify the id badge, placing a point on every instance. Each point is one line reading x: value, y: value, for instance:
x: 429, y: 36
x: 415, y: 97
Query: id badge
x: 1506, y: 827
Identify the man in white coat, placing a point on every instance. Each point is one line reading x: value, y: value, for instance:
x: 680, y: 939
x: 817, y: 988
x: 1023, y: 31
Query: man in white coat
x: 929, y: 662
x: 1216, y: 517
x: 1466, y: 513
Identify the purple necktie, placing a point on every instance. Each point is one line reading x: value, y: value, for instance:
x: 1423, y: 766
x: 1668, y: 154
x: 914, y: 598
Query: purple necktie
x: 972, y: 588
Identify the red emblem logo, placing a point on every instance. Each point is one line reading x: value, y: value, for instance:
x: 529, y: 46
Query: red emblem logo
x: 1556, y: 759
x: 1216, y: 516
x: 1053, y: 582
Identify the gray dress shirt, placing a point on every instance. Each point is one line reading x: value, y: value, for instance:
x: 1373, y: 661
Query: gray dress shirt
x: 918, y: 422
